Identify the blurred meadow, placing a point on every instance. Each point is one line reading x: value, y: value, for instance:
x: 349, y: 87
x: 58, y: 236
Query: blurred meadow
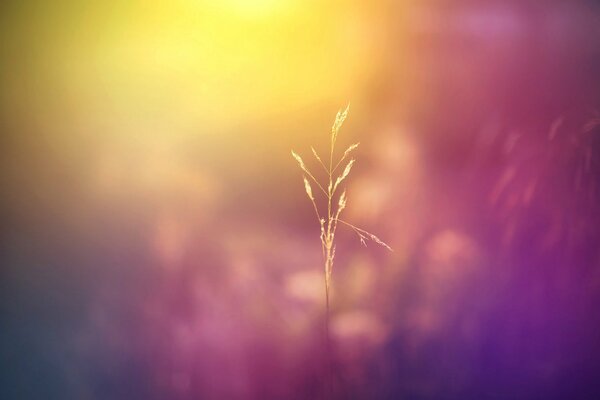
x: 157, y: 242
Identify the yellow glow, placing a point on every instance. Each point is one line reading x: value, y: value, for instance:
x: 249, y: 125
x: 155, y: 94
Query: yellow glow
x: 256, y: 8
x: 199, y: 67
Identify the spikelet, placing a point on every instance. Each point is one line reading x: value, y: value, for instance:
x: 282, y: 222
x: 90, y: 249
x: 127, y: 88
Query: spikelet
x: 339, y: 120
x: 342, y: 202
x: 316, y: 155
x: 341, y: 206
x: 329, y: 267
x: 332, y: 258
x: 308, y: 189
x: 303, y: 168
x: 350, y: 149
x: 344, y: 174
x: 299, y: 159
x: 379, y: 241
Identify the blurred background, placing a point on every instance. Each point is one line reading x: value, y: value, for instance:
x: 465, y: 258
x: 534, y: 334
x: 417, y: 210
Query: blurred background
x: 157, y: 243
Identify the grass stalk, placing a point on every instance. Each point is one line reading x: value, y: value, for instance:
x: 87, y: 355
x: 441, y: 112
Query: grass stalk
x: 329, y: 225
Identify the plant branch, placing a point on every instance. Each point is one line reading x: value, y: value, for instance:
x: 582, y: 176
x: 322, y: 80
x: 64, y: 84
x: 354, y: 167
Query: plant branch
x: 363, y: 234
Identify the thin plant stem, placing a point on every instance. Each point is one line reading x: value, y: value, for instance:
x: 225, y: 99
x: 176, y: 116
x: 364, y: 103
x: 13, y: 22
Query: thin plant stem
x: 329, y: 226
